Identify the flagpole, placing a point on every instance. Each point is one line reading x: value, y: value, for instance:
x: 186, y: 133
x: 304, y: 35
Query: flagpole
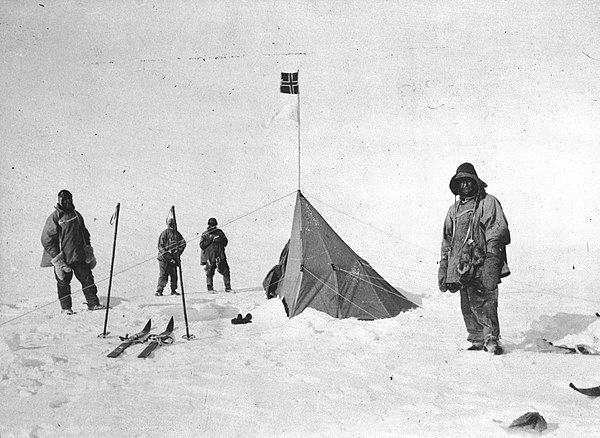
x: 298, y: 73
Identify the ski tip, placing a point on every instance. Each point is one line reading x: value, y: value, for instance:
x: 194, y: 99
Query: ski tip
x: 598, y: 314
x: 171, y: 324
x: 148, y: 325
x: 572, y: 386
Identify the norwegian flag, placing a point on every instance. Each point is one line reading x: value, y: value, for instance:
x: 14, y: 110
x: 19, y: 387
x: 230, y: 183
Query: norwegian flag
x: 289, y: 83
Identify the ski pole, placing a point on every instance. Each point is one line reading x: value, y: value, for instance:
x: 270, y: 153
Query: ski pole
x: 114, y: 217
x: 178, y: 258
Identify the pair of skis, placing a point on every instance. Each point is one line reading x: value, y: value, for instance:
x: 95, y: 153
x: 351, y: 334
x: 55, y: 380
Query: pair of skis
x: 156, y: 340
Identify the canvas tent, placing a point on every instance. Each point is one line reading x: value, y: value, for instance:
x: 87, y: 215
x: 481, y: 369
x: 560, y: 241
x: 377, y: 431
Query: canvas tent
x: 318, y: 269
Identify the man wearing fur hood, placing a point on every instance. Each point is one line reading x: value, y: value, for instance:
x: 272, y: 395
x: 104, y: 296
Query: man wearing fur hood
x: 67, y: 248
x: 473, y: 256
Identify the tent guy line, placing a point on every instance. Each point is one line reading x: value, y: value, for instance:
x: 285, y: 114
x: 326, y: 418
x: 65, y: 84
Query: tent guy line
x: 375, y: 228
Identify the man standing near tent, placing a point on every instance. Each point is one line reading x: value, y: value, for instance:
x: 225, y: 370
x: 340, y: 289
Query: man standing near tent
x: 473, y: 256
x: 67, y: 248
x: 170, y: 248
x: 212, y: 243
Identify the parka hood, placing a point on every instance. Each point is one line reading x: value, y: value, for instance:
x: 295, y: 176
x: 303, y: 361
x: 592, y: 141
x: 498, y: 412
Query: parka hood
x: 466, y: 170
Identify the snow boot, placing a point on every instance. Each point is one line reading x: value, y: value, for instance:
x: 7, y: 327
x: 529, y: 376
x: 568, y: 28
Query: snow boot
x: 476, y: 346
x: 174, y: 292
x: 67, y: 311
x: 492, y: 346
x: 159, y: 293
x: 97, y: 307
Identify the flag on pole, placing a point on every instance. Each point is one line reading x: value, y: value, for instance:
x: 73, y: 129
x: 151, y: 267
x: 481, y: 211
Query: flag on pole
x: 289, y: 83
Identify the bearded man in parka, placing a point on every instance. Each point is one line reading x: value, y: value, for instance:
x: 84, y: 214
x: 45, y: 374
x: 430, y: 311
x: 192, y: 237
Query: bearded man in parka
x: 67, y: 248
x: 473, y: 256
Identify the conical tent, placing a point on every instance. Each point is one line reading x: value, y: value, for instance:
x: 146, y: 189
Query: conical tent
x: 322, y: 272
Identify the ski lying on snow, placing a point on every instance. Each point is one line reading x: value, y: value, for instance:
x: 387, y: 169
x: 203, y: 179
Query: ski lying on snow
x: 128, y: 341
x: 592, y: 392
x: 561, y: 347
x: 158, y: 340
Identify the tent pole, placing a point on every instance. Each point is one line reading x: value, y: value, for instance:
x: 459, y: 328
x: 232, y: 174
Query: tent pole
x: 298, y: 72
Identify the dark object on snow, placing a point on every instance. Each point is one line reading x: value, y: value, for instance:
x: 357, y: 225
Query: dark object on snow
x: 592, y: 392
x: 546, y: 346
x: 530, y: 420
x: 239, y: 320
x: 586, y: 349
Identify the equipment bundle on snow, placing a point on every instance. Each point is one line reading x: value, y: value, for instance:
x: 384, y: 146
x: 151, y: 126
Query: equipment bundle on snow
x: 318, y: 269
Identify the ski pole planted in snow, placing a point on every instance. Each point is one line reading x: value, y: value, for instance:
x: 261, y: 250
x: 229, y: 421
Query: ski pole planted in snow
x: 115, y: 219
x: 178, y: 258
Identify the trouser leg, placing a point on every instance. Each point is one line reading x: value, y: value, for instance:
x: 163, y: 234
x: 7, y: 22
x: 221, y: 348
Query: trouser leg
x: 163, y: 275
x: 86, y: 278
x: 483, y: 315
x: 210, y: 273
x: 173, y: 275
x: 224, y: 271
x: 474, y: 328
x: 64, y: 290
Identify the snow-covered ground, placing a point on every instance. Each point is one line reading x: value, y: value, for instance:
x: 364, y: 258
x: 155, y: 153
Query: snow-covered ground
x: 152, y: 104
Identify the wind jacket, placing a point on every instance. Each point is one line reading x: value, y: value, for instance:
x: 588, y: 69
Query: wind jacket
x: 167, y: 245
x: 64, y: 231
x: 480, y: 221
x: 212, y: 250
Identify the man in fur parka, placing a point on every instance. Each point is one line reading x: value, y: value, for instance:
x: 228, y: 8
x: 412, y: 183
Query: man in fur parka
x: 473, y: 256
x: 67, y: 248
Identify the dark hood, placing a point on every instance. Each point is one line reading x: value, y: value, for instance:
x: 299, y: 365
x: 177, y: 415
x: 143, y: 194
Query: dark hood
x: 466, y: 170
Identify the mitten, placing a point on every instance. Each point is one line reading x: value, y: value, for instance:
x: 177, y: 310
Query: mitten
x: 453, y: 287
x: 60, y: 266
x: 442, y: 273
x: 90, y: 258
x: 490, y: 272
x: 478, y: 256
